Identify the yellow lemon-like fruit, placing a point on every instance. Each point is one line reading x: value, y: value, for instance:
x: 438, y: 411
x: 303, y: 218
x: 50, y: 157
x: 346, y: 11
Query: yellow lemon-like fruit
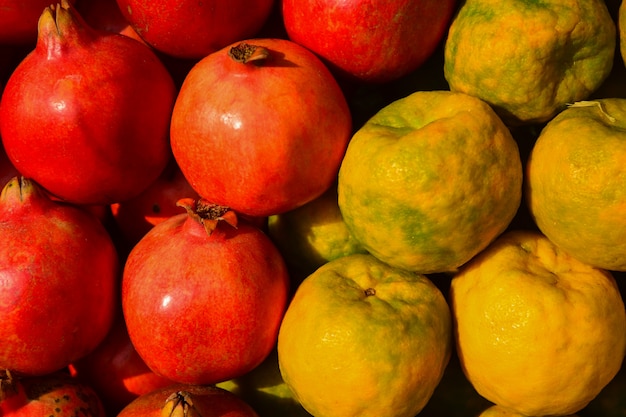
x: 621, y: 16
x: 528, y: 59
x: 361, y: 338
x: 430, y: 181
x: 576, y: 182
x: 313, y: 234
x: 499, y: 411
x: 537, y: 331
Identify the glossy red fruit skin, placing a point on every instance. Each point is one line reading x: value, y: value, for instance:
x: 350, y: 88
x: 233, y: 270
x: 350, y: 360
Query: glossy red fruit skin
x: 56, y: 394
x: 369, y: 41
x: 261, y: 137
x: 86, y: 114
x: 116, y: 372
x: 192, y: 29
x: 59, y: 275
x: 18, y: 20
x: 208, y: 401
x: 203, y: 308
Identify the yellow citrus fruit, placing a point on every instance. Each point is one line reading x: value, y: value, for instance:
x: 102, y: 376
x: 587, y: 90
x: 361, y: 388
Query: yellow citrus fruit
x: 537, y: 331
x: 314, y: 233
x: 430, y: 180
x: 263, y: 388
x: 576, y: 182
x: 362, y: 338
x: 528, y: 59
x: 498, y: 411
x: 622, y: 29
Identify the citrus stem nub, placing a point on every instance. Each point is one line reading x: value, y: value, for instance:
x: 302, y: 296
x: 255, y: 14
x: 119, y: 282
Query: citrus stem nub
x: 369, y: 292
x: 592, y: 103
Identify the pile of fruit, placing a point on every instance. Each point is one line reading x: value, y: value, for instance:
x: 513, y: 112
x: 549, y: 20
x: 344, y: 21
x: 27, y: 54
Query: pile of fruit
x: 312, y: 208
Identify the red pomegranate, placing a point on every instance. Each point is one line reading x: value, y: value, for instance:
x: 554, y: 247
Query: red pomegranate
x: 188, y: 401
x: 260, y: 127
x: 56, y: 394
x: 157, y: 203
x: 203, y: 295
x: 59, y: 274
x: 86, y: 114
x: 18, y: 20
x: 193, y: 29
x: 106, y: 15
x: 116, y: 372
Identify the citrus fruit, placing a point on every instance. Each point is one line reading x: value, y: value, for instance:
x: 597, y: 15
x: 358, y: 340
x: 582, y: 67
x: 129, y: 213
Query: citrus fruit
x: 622, y: 29
x: 362, y: 338
x: 576, y: 182
x: 528, y: 59
x: 313, y: 234
x: 430, y: 180
x: 264, y: 389
x: 498, y: 411
x: 537, y: 331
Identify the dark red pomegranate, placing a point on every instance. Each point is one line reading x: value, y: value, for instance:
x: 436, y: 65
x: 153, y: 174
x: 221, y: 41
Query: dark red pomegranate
x: 183, y: 400
x: 157, y: 203
x: 86, y: 114
x: 18, y: 20
x: 116, y: 372
x: 56, y: 394
x: 59, y: 275
x: 204, y: 295
x: 106, y: 15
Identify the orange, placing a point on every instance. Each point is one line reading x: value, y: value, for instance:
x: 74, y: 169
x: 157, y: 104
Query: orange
x: 537, y: 331
x: 576, y: 182
x: 430, y: 180
x: 361, y: 338
x: 529, y: 59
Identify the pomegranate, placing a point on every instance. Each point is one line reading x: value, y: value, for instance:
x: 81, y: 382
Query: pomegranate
x: 260, y: 127
x: 203, y: 295
x: 86, y: 113
x: 59, y: 275
x: 369, y: 41
x: 135, y: 217
x: 106, y: 15
x: 193, y: 29
x: 188, y: 401
x: 7, y: 169
x: 18, y: 20
x: 116, y: 372
x: 56, y: 394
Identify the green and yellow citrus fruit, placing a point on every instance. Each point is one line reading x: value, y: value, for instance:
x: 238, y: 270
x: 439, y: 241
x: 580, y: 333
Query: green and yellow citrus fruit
x: 314, y: 233
x: 430, y: 181
x: 361, y: 338
x: 576, y: 182
x: 537, y: 331
x: 528, y: 59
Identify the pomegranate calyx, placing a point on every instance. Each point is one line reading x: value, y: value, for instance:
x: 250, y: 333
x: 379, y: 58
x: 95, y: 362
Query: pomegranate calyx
x: 60, y: 27
x: 208, y: 214
x: 244, y: 53
x: 179, y: 404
